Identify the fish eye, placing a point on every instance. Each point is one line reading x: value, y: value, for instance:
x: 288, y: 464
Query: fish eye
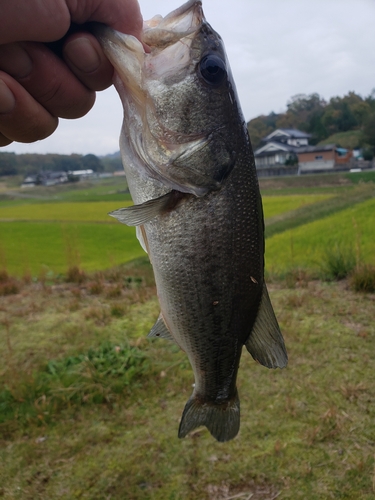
x: 212, y: 69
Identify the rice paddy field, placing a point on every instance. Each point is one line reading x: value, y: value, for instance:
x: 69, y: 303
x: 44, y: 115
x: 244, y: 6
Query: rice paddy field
x: 89, y: 407
x: 49, y: 230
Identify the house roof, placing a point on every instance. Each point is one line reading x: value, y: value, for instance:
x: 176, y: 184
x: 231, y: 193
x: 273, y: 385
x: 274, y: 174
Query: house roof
x: 274, y: 147
x: 291, y: 133
x: 315, y: 149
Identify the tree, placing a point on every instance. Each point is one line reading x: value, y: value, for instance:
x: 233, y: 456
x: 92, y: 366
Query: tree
x: 93, y: 162
x: 8, y: 164
x: 369, y: 131
x: 260, y: 127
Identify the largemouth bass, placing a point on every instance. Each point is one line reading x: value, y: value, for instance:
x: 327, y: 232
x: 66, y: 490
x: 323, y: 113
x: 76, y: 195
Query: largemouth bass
x: 198, y: 210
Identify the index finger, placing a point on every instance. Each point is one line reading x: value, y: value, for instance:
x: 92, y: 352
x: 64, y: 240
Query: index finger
x: 49, y: 20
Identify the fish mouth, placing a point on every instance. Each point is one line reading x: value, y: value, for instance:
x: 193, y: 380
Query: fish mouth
x: 162, y: 31
x: 128, y: 56
x: 137, y: 74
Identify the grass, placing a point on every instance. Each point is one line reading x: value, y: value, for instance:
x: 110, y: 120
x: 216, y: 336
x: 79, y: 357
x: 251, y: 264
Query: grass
x: 107, y: 189
x: 306, y: 245
x: 281, y: 204
x: 76, y: 424
x: 350, y: 140
x: 46, y: 247
x: 47, y: 230
x: 67, y: 212
x: 89, y: 407
x: 362, y: 278
x: 282, y: 222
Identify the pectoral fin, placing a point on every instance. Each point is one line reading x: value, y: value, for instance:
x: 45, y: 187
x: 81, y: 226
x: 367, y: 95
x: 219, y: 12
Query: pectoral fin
x: 266, y: 343
x: 140, y: 214
x: 160, y: 329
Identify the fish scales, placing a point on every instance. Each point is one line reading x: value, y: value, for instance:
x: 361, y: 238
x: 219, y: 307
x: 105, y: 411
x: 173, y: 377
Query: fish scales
x: 198, y: 210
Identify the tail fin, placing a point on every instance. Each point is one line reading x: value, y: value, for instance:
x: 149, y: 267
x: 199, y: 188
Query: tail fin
x: 222, y: 420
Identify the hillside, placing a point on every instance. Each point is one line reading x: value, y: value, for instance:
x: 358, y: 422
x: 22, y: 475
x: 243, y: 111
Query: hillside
x: 347, y: 120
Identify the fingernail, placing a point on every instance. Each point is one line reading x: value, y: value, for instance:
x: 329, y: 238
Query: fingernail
x: 81, y: 53
x: 7, y: 100
x: 15, y: 61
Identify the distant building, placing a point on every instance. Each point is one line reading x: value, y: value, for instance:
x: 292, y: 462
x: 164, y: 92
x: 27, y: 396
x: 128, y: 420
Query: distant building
x: 278, y: 155
x: 50, y: 178
x: 323, y: 158
x: 45, y: 179
x: 88, y: 172
x: 287, y: 152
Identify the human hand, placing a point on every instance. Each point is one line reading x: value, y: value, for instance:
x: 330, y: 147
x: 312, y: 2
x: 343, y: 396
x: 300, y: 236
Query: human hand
x: 37, y: 86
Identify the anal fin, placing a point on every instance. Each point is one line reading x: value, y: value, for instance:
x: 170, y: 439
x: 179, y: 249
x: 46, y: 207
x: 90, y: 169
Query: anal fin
x: 160, y: 329
x: 266, y: 343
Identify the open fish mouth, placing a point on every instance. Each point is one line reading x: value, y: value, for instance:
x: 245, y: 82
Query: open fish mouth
x: 162, y: 35
x: 147, y: 83
x: 162, y: 31
x: 141, y: 75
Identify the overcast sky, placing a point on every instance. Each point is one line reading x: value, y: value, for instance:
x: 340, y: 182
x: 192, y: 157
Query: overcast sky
x: 277, y: 49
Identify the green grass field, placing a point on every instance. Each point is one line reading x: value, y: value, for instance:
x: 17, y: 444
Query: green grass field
x: 89, y: 407
x: 57, y: 233
x: 43, y: 231
x: 305, y: 246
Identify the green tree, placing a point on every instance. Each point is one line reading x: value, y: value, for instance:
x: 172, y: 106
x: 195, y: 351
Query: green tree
x: 260, y: 127
x: 8, y: 164
x: 93, y: 162
x: 369, y: 130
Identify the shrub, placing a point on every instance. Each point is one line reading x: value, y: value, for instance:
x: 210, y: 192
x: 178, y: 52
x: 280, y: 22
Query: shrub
x: 75, y: 275
x: 338, y: 262
x: 362, y: 279
x: 8, y: 285
x: 94, y: 377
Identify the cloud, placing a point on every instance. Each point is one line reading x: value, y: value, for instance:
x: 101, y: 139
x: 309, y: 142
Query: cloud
x: 276, y: 50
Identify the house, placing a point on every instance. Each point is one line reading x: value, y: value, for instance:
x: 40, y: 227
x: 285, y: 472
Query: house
x: 278, y: 154
x: 287, y: 152
x: 314, y: 159
x: 82, y: 174
x: 45, y: 179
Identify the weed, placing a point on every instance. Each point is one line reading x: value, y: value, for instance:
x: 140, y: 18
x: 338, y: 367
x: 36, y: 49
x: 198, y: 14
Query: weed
x: 114, y: 292
x: 338, y: 262
x: 297, y: 277
x: 362, y: 278
x: 75, y: 275
x: 96, y: 287
x: 99, y: 314
x: 76, y: 292
x: 331, y: 424
x: 117, y: 311
x: 295, y: 300
x: 4, y: 276
x: 133, y: 281
x: 95, y: 376
x: 10, y: 287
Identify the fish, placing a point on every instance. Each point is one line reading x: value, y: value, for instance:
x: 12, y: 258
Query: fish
x: 197, y: 207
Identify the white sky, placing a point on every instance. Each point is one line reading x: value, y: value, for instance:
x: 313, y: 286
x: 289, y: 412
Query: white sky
x: 276, y: 48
